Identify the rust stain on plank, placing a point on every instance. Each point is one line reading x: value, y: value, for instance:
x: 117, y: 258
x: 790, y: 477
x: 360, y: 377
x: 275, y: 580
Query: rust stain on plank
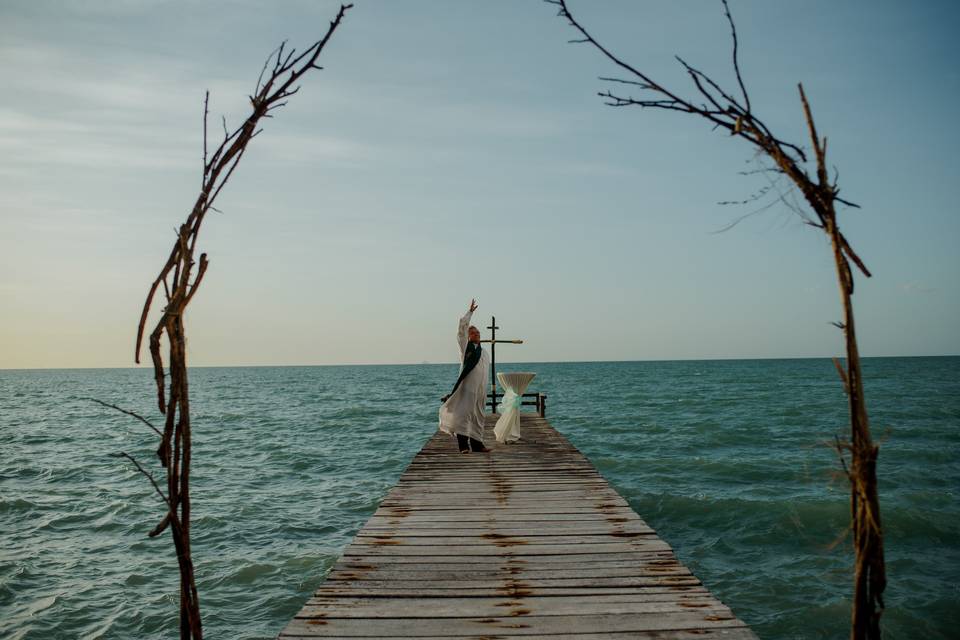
x: 502, y: 540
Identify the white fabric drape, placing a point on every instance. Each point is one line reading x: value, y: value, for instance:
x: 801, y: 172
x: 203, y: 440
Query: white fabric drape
x: 463, y: 411
x: 514, y: 384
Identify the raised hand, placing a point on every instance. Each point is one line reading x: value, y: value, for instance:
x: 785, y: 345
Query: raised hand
x: 473, y: 305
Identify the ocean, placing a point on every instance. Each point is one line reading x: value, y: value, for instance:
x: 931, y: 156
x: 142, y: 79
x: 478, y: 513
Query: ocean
x: 730, y: 461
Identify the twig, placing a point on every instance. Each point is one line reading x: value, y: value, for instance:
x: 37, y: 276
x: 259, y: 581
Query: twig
x: 722, y: 110
x: 124, y: 454
x: 842, y: 373
x: 736, y: 63
x: 132, y: 414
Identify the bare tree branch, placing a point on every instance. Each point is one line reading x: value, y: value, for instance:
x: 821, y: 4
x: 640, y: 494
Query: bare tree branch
x: 149, y: 476
x: 127, y: 412
x: 180, y: 284
x: 724, y: 111
x: 842, y: 373
x: 736, y: 63
x: 740, y: 219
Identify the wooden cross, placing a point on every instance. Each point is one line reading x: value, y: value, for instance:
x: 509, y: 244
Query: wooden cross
x: 493, y: 360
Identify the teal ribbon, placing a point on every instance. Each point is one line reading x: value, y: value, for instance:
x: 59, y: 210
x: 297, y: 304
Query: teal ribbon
x: 510, y: 401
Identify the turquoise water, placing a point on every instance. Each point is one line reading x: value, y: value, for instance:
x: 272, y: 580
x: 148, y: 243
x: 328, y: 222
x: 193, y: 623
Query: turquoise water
x: 726, y: 459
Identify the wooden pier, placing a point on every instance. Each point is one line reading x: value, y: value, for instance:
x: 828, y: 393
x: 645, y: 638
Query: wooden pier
x: 526, y: 542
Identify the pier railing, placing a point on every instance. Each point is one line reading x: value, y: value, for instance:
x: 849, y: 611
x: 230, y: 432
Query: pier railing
x: 538, y: 400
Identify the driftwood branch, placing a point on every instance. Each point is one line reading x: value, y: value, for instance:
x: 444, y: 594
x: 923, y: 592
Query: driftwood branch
x: 180, y: 277
x: 735, y: 115
x: 218, y: 168
x: 725, y: 111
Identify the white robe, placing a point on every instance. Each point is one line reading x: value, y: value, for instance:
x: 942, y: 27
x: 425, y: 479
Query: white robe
x: 463, y: 411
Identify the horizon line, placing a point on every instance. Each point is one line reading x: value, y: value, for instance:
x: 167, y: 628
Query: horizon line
x: 429, y: 363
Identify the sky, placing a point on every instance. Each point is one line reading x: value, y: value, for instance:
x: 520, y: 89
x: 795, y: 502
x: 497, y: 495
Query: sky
x: 455, y: 150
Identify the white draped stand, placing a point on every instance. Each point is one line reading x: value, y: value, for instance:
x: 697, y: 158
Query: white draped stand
x: 514, y: 384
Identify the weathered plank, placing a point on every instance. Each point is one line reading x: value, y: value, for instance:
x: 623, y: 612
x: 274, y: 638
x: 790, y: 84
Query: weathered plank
x: 500, y: 515
x: 498, y: 607
x: 319, y: 624
x: 352, y: 555
x: 526, y: 542
x: 514, y: 563
x: 429, y: 574
x: 483, y: 607
x: 386, y: 548
x: 521, y: 528
x: 732, y: 633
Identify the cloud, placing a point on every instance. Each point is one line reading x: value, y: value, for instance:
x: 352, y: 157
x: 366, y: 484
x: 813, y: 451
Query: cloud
x: 65, y: 106
x: 37, y: 141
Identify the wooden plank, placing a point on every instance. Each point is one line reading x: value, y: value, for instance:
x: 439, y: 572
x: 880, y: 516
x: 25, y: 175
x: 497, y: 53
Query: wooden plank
x: 568, y: 526
x: 539, y: 603
x: 664, y: 603
x: 528, y: 581
x: 501, y: 540
x: 470, y: 486
x: 388, y: 548
x: 500, y: 492
x: 500, y: 515
x: 510, y: 591
x: 498, y: 573
x: 531, y: 507
x: 729, y: 633
x: 526, y: 542
x: 355, y: 555
x: 521, y: 563
x: 524, y: 527
x: 510, y: 625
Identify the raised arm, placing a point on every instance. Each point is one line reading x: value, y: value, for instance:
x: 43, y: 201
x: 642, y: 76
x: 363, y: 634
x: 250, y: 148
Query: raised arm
x: 463, y: 326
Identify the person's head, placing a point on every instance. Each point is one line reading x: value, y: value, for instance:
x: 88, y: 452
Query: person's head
x: 473, y: 334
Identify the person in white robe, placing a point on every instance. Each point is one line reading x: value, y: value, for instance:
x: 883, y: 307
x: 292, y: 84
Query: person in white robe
x: 462, y: 411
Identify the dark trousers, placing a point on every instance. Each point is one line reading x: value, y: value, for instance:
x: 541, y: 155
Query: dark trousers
x: 462, y: 440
